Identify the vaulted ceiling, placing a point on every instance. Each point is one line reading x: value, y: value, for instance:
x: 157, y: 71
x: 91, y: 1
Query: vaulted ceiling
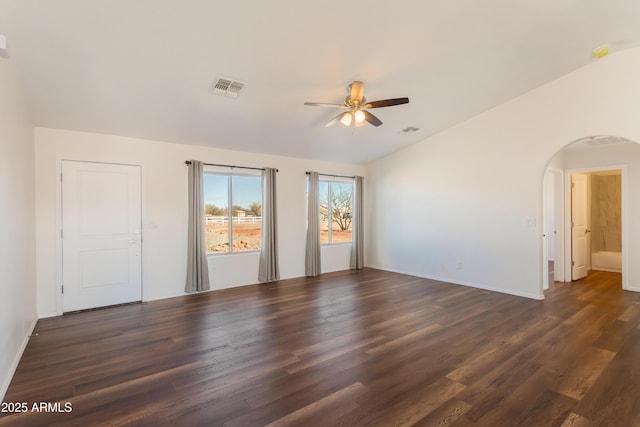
x: 143, y: 68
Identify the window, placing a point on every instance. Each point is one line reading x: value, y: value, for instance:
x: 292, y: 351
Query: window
x: 336, y: 201
x: 233, y: 212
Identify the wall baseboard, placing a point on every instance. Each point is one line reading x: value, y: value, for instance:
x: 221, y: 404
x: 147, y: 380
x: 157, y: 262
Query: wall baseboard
x: 464, y: 283
x: 12, y: 370
x: 47, y: 315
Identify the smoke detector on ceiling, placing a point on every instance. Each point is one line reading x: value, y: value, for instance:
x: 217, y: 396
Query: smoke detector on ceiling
x: 601, y: 51
x: 225, y: 86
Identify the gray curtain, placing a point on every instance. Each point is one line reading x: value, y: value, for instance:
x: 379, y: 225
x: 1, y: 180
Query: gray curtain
x: 312, y: 256
x: 197, y: 266
x: 357, y: 247
x: 268, y: 270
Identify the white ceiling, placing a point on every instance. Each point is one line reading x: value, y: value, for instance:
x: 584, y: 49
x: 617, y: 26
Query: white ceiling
x: 142, y: 68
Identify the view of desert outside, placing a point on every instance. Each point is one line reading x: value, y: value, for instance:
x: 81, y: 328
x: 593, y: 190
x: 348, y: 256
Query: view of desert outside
x: 336, y: 198
x: 337, y: 235
x: 247, y: 235
x: 246, y: 212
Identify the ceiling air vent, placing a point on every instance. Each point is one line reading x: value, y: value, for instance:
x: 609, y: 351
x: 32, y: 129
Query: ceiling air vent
x: 409, y: 129
x: 225, y: 86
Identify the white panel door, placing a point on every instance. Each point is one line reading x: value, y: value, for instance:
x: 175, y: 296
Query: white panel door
x: 579, y: 227
x: 101, y: 235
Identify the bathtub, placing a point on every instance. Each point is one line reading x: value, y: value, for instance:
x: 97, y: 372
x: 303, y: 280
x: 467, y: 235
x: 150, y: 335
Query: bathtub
x: 606, y: 261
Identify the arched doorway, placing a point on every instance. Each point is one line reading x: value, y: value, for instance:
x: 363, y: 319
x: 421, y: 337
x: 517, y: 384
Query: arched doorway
x: 599, y: 159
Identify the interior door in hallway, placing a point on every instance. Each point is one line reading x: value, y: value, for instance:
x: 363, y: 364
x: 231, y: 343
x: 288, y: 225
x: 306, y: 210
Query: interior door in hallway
x: 579, y: 227
x: 101, y: 234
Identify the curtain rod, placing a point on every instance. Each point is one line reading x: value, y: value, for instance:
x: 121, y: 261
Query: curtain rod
x: 188, y: 162
x: 335, y: 176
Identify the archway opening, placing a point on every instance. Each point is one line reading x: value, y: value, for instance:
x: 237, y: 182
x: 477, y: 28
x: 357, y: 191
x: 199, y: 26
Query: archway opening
x: 606, y: 166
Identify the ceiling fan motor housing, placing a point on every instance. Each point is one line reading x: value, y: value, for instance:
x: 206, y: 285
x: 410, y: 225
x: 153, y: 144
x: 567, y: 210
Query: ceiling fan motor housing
x: 350, y: 102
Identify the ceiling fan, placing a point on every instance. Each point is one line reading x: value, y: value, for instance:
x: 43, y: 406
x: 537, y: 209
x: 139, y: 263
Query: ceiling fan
x: 356, y: 105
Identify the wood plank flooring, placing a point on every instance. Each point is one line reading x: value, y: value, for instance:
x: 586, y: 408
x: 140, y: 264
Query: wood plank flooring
x: 367, y: 348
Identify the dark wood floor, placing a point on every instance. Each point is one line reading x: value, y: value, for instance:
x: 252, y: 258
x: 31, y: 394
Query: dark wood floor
x: 367, y: 348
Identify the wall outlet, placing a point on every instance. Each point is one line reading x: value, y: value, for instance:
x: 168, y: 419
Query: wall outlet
x: 459, y: 265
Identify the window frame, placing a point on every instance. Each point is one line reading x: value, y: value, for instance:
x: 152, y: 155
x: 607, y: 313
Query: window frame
x: 329, y: 180
x: 222, y: 171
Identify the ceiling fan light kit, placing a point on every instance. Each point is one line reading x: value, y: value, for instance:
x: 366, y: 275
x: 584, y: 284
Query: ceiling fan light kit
x: 357, y: 106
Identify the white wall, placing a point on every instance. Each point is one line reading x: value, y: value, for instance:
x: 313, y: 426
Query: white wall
x: 164, y: 210
x: 466, y: 196
x: 17, y: 253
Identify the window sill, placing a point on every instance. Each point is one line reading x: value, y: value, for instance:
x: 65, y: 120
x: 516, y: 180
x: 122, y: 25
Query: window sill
x: 222, y: 254
x: 336, y: 244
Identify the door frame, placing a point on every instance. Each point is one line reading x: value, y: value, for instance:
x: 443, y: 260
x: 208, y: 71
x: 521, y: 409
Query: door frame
x: 58, y: 228
x: 567, y: 217
x: 558, y: 213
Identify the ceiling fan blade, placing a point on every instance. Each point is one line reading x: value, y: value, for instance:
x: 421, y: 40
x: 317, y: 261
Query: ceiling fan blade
x: 371, y: 118
x: 386, y: 103
x: 336, y: 119
x: 357, y: 92
x: 324, y: 104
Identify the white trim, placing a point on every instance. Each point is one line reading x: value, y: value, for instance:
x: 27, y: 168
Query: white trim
x: 566, y: 202
x: 47, y: 315
x: 559, y: 260
x: 224, y: 254
x: 559, y: 223
x: 448, y: 280
x: 323, y: 178
x: 58, y: 253
x: 184, y: 294
x: 16, y: 361
x: 331, y: 245
x: 625, y: 229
